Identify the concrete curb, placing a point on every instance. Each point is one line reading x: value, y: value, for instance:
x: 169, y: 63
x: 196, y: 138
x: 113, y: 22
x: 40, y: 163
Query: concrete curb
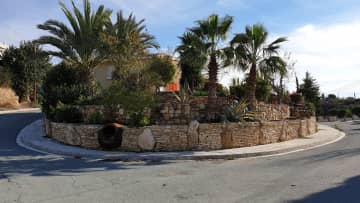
x: 28, y: 110
x: 32, y: 138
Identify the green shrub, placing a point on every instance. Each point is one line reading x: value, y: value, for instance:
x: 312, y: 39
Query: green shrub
x: 238, y: 91
x: 138, y: 120
x: 96, y: 118
x: 333, y: 112
x: 356, y: 110
x: 263, y: 90
x: 221, y: 91
x: 348, y: 113
x: 341, y: 113
x: 5, y: 78
x: 296, y: 98
x: 62, y: 85
x: 200, y: 93
x: 133, y: 102
x: 310, y: 108
x: 67, y: 114
x: 164, y: 67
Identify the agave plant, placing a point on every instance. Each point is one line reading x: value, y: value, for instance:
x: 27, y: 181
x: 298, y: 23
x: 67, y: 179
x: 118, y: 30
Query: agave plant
x: 184, y: 94
x: 238, y: 112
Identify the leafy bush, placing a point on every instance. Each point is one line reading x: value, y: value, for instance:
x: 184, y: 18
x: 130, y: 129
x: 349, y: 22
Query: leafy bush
x: 67, y: 114
x: 356, y: 110
x: 96, y: 118
x: 348, y: 113
x: 138, y: 119
x: 333, y: 112
x: 310, y: 108
x: 263, y: 90
x: 341, y: 113
x: 238, y: 111
x: 62, y: 85
x: 296, y: 98
x: 344, y: 112
x: 200, y: 93
x: 134, y: 103
x: 221, y: 91
x: 238, y: 91
x: 164, y: 67
x: 5, y: 78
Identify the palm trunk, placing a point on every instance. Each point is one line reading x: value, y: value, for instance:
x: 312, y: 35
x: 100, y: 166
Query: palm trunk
x: 281, y: 89
x: 213, y: 71
x: 252, y: 88
x: 88, y: 78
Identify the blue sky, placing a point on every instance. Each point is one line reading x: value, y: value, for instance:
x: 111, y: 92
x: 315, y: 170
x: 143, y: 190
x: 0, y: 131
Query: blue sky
x: 324, y: 35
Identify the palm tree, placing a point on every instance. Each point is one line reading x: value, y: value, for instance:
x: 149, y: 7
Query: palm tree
x: 208, y: 36
x: 192, y: 61
x: 252, y: 53
x: 127, y: 42
x: 78, y: 43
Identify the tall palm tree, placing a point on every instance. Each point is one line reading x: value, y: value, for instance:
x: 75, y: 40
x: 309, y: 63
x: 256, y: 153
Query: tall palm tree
x: 78, y: 43
x: 252, y: 53
x: 127, y: 42
x: 192, y: 60
x: 209, y: 34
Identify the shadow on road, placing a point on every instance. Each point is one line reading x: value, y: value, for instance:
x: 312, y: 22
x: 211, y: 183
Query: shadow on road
x: 346, y: 192
x: 15, y: 160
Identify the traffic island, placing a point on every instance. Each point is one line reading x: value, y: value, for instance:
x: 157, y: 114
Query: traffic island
x: 33, y: 137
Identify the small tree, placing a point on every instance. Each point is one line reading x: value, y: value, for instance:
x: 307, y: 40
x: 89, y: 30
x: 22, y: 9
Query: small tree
x: 164, y: 67
x: 310, y: 90
x: 27, y: 66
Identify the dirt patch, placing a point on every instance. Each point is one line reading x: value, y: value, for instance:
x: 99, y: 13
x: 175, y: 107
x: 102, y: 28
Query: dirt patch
x: 8, y: 99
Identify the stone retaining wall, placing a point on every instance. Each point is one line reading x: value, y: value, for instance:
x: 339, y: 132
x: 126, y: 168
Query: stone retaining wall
x: 176, y: 113
x: 195, y: 136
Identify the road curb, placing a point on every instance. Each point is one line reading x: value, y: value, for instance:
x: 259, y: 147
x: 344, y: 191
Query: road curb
x: 28, y: 110
x: 31, y: 137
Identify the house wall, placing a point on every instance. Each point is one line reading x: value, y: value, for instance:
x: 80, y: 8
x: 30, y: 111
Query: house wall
x: 103, y: 73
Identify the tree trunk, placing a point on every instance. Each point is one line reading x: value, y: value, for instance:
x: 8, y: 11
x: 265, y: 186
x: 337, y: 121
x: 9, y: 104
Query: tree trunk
x: 251, y: 95
x: 35, y: 93
x: 281, y: 95
x: 213, y: 72
x: 88, y: 78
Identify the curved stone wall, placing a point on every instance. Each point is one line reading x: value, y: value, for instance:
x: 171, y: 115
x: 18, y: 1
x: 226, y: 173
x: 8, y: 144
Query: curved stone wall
x: 195, y: 136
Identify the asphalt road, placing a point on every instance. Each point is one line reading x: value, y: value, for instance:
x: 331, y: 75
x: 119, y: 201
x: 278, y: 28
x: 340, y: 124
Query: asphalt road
x: 326, y: 174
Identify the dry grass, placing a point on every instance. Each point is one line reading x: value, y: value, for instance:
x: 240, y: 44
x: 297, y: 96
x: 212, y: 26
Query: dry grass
x: 8, y: 99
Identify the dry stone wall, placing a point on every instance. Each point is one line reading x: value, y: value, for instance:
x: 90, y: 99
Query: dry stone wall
x: 172, y: 112
x: 195, y: 136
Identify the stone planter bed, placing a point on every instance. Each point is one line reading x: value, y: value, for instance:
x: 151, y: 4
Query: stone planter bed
x: 195, y: 136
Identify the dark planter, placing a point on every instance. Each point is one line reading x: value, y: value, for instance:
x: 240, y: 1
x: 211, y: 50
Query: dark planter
x: 110, y: 136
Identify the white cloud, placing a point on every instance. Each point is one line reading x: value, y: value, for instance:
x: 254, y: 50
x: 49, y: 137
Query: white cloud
x: 330, y: 53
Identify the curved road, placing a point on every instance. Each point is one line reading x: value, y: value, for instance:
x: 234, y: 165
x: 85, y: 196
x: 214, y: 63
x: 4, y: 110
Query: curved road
x: 326, y: 174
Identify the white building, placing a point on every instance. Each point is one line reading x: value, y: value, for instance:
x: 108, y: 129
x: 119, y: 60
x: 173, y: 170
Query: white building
x: 3, y: 47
